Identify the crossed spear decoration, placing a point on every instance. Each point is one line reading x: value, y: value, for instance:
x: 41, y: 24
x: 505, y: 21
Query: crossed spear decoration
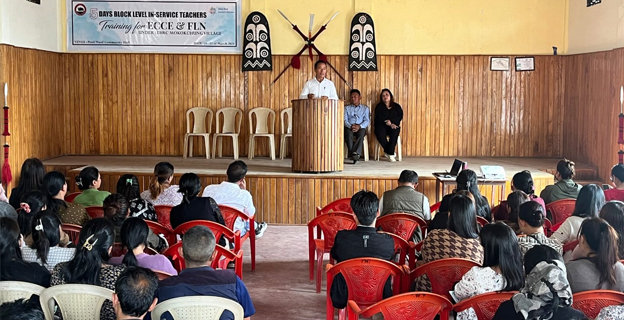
x: 295, y: 62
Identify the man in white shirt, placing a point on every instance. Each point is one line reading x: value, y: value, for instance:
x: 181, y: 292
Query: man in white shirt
x: 233, y: 193
x: 319, y: 86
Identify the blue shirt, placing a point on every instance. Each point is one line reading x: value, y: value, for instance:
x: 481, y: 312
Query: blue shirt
x: 206, y: 281
x: 356, y: 115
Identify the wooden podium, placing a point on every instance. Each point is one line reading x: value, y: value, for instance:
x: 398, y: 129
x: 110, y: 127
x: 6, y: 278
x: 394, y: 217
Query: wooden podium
x: 318, y: 137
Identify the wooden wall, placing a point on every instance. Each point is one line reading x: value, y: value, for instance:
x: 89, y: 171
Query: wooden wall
x: 35, y: 117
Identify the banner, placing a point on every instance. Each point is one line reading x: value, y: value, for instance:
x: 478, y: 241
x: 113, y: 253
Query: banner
x: 155, y: 26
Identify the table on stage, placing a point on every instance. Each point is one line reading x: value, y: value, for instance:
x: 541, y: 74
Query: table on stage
x: 318, y: 135
x: 442, y: 184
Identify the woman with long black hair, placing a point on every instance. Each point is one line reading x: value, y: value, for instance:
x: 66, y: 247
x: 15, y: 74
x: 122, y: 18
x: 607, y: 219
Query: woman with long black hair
x: 31, y: 178
x: 192, y: 206
x: 46, y: 236
x: 56, y: 189
x: 12, y: 266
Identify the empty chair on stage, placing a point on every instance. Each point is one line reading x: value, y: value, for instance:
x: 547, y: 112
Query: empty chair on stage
x: 230, y: 126
x: 264, y: 127
x: 200, y: 129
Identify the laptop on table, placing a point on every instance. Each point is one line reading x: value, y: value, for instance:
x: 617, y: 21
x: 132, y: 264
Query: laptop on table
x: 457, y: 166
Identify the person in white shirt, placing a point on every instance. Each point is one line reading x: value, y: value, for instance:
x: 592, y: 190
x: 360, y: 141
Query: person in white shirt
x: 319, y: 86
x: 233, y: 193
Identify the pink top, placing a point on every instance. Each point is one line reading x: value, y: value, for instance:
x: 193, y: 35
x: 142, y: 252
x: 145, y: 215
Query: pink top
x: 156, y: 262
x: 169, y: 197
x: 614, y: 194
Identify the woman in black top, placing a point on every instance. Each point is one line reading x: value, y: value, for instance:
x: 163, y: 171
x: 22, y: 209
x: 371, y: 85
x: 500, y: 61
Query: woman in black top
x: 388, y: 116
x: 31, y: 178
x: 193, y: 207
x: 12, y: 267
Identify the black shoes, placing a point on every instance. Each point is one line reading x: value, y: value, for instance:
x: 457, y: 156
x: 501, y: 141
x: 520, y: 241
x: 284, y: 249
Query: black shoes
x: 355, y: 157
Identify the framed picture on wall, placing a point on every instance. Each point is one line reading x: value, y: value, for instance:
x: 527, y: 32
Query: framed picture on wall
x: 499, y: 64
x: 525, y: 63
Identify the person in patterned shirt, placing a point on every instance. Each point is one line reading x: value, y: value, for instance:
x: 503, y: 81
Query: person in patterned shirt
x: 128, y: 186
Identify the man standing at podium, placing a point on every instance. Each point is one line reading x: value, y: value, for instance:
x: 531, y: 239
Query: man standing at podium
x: 356, y: 120
x: 319, y: 86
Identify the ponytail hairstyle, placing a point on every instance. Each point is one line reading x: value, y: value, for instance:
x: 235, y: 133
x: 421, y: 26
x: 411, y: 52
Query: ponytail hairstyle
x: 134, y: 232
x: 87, y: 176
x: 590, y: 200
x: 532, y: 213
x: 190, y: 185
x: 115, y: 209
x: 467, y: 180
x: 159, y: 182
x: 96, y: 238
x: 31, y: 204
x: 602, y: 239
x: 45, y: 234
x: 128, y: 186
x: 53, y: 183
x: 565, y: 168
x: 613, y: 213
x: 523, y: 181
x: 500, y: 248
x: 514, y: 201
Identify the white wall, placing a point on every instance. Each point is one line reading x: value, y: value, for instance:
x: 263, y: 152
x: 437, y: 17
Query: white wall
x: 597, y: 28
x: 25, y: 24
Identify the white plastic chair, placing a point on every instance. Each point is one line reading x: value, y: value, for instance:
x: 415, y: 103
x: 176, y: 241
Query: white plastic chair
x: 232, y: 118
x: 199, y: 129
x: 285, y: 116
x: 265, y: 127
x: 15, y: 290
x: 378, y: 150
x: 76, y: 301
x: 198, y: 308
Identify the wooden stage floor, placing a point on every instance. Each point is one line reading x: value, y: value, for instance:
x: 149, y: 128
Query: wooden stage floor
x: 284, y: 197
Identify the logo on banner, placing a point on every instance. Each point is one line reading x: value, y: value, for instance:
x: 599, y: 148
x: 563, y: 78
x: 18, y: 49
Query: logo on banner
x: 80, y: 9
x: 213, y: 10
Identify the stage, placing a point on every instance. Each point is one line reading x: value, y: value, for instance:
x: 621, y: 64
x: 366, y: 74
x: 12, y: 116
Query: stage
x: 285, y: 197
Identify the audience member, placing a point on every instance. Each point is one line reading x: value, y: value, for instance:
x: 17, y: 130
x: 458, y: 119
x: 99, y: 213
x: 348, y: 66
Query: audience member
x: 12, y: 266
x: 161, y: 192
x: 56, y: 189
x: 89, y: 263
x: 546, y: 293
x: 531, y: 219
x: 388, y: 117
x: 613, y: 213
x: 134, y: 233
x: 198, y: 278
x: 356, y: 120
x: 590, y: 201
x: 362, y: 242
x: 7, y: 211
x: 617, y: 176
x: 467, y: 180
x: 501, y: 270
x: 31, y: 178
x: 564, y: 188
x: 522, y: 181
x: 32, y: 204
x: 598, y: 267
x: 116, y: 211
x: 46, y: 235
x: 89, y: 181
x: 128, y: 186
x: 233, y: 193
x: 192, y: 206
x: 611, y: 313
x: 21, y: 309
x: 134, y: 293
x: 514, y: 201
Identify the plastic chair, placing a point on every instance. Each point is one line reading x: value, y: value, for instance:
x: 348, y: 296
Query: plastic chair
x: 484, y: 305
x: 229, y: 215
x: 118, y: 250
x: 378, y: 150
x: 548, y: 228
x: 198, y: 308
x: 221, y: 259
x: 158, y: 228
x: 163, y: 212
x: 570, y: 246
x: 329, y: 224
x: 76, y: 301
x: 364, y: 146
x: 482, y: 221
x: 72, y: 230
x: 365, y: 279
x: 406, y: 306
x: 232, y: 118
x: 402, y: 224
x: 265, y: 127
x: 443, y: 274
x: 405, y: 250
x: 95, y: 212
x: 70, y: 197
x: 561, y: 209
x: 285, y: 116
x: 162, y: 275
x: 199, y: 129
x: 14, y: 290
x: 591, y: 302
x: 435, y: 207
x: 342, y: 205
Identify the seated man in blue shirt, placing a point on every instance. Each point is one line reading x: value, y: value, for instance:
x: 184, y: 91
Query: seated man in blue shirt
x: 357, y: 119
x: 198, y: 247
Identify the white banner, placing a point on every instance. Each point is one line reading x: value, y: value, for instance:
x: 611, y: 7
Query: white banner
x: 154, y: 26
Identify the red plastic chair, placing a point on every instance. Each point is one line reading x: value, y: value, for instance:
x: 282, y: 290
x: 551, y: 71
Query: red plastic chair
x: 435, y: 207
x: 341, y: 205
x: 158, y: 228
x: 163, y: 212
x: 570, y: 246
x: 365, y: 279
x: 329, y: 224
x: 118, y: 250
x: 95, y: 212
x: 406, y: 306
x: 221, y: 259
x: 402, y: 224
x: 443, y: 274
x: 405, y: 250
x: 70, y: 197
x: 72, y: 230
x: 484, y: 305
x: 229, y: 215
x: 561, y: 209
x: 482, y: 221
x: 591, y: 302
x: 548, y: 228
